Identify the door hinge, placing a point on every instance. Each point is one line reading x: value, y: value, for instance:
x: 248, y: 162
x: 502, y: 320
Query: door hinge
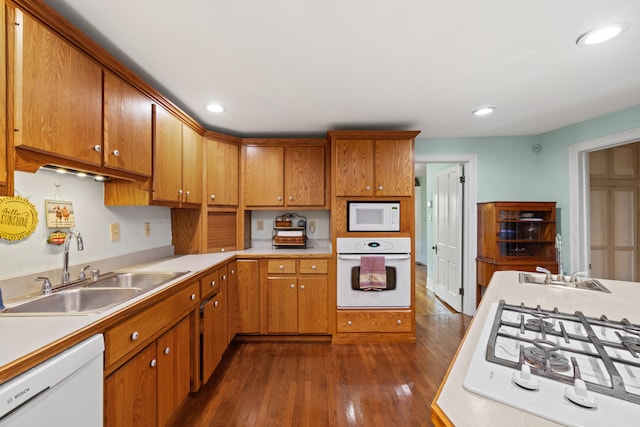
x: 462, y: 180
x: 461, y: 291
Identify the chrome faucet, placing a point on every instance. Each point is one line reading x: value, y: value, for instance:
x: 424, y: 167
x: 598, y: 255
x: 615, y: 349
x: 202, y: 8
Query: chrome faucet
x: 547, y: 273
x: 67, y: 241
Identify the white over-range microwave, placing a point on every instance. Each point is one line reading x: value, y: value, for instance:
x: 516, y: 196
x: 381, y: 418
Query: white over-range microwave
x: 373, y: 216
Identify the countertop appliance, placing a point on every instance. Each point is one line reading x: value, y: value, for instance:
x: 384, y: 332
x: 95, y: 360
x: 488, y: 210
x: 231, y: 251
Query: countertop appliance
x: 567, y: 367
x: 397, y: 257
x: 373, y: 216
x: 66, y: 390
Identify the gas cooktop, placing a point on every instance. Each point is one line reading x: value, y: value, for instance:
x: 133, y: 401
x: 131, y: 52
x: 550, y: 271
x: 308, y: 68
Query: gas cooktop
x: 566, y: 367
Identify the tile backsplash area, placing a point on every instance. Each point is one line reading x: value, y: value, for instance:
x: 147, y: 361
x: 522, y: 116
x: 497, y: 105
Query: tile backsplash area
x: 262, y: 226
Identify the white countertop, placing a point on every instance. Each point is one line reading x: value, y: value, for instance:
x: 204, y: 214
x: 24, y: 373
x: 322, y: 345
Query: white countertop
x: 21, y: 336
x: 464, y: 408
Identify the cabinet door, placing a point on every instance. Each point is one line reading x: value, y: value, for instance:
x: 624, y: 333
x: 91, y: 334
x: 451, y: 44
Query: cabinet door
x: 222, y: 173
x: 167, y: 157
x: 354, y: 167
x: 263, y: 174
x: 130, y: 392
x: 248, y: 309
x: 214, y: 334
x: 127, y: 127
x: 393, y: 168
x: 232, y: 301
x: 304, y: 176
x: 282, y: 305
x: 312, y: 305
x: 191, y: 165
x: 174, y: 369
x: 58, y: 94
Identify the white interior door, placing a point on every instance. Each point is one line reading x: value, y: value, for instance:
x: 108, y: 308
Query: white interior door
x: 448, y: 236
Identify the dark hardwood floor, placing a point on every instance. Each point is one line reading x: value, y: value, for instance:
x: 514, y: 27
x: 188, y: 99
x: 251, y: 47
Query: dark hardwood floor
x: 319, y: 384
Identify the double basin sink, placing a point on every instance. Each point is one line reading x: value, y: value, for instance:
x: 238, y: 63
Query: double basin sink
x: 93, y: 296
x: 563, y: 281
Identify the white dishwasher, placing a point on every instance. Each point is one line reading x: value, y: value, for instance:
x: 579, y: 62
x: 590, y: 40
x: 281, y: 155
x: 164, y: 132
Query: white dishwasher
x: 65, y: 390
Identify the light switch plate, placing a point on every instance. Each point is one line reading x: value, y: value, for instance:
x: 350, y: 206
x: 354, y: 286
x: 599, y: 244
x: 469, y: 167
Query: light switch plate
x: 114, y: 232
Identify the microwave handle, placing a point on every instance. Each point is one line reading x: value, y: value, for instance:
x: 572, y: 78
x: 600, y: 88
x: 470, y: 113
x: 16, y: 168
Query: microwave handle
x: 390, y: 257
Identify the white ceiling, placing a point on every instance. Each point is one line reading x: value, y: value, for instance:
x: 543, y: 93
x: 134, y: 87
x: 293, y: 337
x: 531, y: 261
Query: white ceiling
x: 302, y: 67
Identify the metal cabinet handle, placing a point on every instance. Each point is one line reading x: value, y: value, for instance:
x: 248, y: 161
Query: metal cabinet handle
x: 302, y: 287
x: 290, y: 198
x: 279, y: 198
x: 293, y: 286
x: 153, y: 363
x: 224, y: 277
x: 281, y: 267
x: 212, y: 283
x: 116, y: 153
x: 380, y: 187
x: 232, y: 272
x: 135, y: 335
x: 180, y: 191
x: 167, y: 350
x: 368, y: 187
x: 193, y: 297
x: 349, y: 322
x: 215, y: 303
x: 399, y: 322
x: 97, y: 148
x: 213, y: 197
x: 313, y: 267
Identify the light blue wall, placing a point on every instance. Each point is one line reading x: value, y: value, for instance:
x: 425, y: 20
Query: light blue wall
x: 508, y: 168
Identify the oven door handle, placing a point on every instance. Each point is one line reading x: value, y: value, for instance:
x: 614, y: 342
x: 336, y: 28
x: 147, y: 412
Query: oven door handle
x: 389, y: 257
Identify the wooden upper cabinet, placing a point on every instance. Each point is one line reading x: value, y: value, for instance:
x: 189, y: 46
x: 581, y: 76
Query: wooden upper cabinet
x: 167, y: 157
x: 177, y: 161
x: 373, y: 163
x: 57, y: 94
x: 222, y: 173
x: 354, y: 167
x: 263, y: 176
x: 304, y: 176
x: 127, y: 127
x: 191, y: 166
x: 290, y: 174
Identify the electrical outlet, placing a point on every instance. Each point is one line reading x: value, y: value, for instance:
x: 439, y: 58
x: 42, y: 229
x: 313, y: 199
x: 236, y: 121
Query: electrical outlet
x: 312, y: 225
x: 147, y: 229
x: 260, y: 225
x: 114, y: 232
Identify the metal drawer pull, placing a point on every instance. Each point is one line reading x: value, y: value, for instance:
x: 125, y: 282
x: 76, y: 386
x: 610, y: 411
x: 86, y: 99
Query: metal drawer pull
x: 97, y: 148
x: 167, y: 350
x: 349, y: 322
x: 399, y: 322
x: 116, y: 153
x: 380, y: 187
x: 224, y: 277
x: 293, y: 286
x: 281, y: 267
x: 193, y: 297
x: 135, y: 335
x: 153, y: 363
x: 302, y: 287
x: 215, y: 303
x: 212, y: 283
x: 313, y: 267
x: 213, y: 197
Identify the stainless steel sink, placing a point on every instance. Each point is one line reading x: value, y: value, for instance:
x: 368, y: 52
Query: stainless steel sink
x: 565, y: 282
x: 141, y: 280
x: 75, y: 301
x: 93, y: 296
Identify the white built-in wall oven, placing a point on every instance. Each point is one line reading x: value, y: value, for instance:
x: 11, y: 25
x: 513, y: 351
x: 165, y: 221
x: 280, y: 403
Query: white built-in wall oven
x: 395, y: 293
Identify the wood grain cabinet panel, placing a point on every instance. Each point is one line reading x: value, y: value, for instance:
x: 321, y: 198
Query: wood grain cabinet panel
x: 174, y: 369
x: 57, y: 94
x: 248, y: 297
x: 263, y: 176
x: 214, y: 333
x: 222, y: 173
x: 374, y: 321
x: 127, y: 127
x: 177, y: 161
x: 282, y: 305
x: 304, y: 171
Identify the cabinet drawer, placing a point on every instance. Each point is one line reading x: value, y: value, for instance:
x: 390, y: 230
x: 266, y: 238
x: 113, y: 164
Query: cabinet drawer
x: 314, y: 266
x: 281, y: 266
x: 210, y: 283
x: 374, y: 321
x: 137, y: 330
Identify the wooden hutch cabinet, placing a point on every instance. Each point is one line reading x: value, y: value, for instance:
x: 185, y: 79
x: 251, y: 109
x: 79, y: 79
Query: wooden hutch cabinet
x: 514, y: 236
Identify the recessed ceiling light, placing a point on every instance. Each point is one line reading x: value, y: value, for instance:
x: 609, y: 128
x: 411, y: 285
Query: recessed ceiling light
x: 602, y: 34
x: 215, y: 108
x: 483, y: 111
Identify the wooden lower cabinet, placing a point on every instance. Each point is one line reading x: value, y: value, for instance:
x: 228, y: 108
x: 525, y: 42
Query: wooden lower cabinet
x: 248, y: 297
x: 232, y: 300
x: 374, y: 321
x: 297, y: 303
x: 148, y: 389
x: 213, y: 333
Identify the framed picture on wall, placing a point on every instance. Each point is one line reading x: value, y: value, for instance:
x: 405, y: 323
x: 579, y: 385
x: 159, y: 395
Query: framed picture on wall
x: 59, y: 213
